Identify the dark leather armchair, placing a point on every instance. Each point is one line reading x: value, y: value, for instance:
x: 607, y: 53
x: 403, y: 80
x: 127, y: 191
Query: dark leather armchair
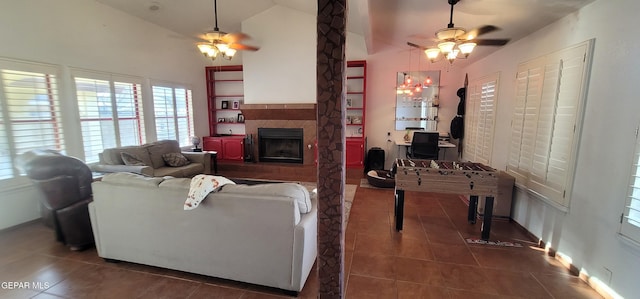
x: 66, y: 186
x: 424, y: 145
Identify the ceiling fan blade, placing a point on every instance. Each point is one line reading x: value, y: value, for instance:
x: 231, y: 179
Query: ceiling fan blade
x: 234, y: 37
x: 475, y: 32
x: 491, y: 42
x: 416, y: 46
x: 243, y: 47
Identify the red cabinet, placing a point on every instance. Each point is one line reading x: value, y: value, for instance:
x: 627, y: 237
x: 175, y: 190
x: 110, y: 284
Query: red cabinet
x: 229, y: 148
x: 354, y: 152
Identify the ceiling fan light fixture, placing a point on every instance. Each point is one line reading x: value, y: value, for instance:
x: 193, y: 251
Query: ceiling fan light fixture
x: 446, y: 47
x: 432, y: 54
x: 451, y: 56
x: 466, y: 48
x: 204, y: 48
x: 228, y: 54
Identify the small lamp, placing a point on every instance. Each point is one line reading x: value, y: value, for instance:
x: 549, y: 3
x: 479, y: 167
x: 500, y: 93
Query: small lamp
x: 195, y: 140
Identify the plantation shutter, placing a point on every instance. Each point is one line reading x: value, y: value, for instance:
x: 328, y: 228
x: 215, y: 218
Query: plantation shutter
x: 486, y: 120
x: 549, y: 94
x: 183, y: 113
x: 480, y: 119
x: 173, y: 113
x: 110, y: 110
x: 96, y: 116
x: 30, y: 109
x: 471, y: 122
x: 630, y: 226
x: 164, y: 113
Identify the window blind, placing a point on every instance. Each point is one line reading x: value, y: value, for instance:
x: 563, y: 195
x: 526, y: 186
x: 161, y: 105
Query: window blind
x: 480, y: 119
x: 110, y: 112
x: 30, y: 109
x: 547, y: 113
x: 173, y: 113
x: 630, y: 222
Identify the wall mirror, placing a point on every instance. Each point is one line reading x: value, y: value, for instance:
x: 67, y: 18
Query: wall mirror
x: 417, y: 100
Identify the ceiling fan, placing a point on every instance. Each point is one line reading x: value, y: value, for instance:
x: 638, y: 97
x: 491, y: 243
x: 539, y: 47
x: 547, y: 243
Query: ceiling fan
x: 454, y: 40
x: 222, y: 43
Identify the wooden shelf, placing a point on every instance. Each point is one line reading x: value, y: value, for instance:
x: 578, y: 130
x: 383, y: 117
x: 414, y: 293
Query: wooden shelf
x: 224, y: 84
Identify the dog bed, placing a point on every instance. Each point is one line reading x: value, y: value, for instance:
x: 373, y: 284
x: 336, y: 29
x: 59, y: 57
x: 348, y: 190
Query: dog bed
x: 381, y: 179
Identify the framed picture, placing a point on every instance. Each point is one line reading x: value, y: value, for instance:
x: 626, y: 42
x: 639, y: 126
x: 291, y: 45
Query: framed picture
x: 240, y: 118
x: 221, y: 120
x: 225, y: 105
x: 236, y: 104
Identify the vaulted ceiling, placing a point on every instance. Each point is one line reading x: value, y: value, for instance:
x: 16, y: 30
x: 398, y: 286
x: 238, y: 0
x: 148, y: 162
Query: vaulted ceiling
x: 385, y: 24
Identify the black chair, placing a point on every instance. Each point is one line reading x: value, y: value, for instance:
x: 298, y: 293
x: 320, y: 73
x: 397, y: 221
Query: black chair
x: 424, y: 145
x: 65, y: 183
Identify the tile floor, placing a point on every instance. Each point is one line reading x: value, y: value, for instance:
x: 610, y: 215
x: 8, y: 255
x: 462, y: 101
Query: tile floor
x: 428, y: 259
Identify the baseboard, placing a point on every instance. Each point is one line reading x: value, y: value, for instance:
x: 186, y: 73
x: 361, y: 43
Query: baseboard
x: 597, y: 285
x: 17, y: 226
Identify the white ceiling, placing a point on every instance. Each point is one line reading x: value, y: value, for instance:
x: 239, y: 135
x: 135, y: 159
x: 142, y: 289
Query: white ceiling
x: 383, y: 23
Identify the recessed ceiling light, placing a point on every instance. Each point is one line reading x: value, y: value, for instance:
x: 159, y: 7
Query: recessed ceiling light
x: 154, y: 6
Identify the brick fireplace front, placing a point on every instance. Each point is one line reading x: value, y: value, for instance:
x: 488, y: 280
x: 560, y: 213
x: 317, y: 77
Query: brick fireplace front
x: 302, y: 116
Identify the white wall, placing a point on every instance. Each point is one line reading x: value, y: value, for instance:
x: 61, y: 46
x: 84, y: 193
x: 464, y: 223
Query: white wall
x: 284, y: 69
x: 89, y: 35
x: 588, y: 231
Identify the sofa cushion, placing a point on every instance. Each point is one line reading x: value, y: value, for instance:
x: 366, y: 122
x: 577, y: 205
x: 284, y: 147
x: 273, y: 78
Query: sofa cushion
x: 131, y: 159
x: 294, y: 191
x: 159, y: 148
x: 175, y: 159
x: 176, y: 184
x: 186, y: 171
x: 132, y: 179
x: 201, y: 185
x: 113, y: 156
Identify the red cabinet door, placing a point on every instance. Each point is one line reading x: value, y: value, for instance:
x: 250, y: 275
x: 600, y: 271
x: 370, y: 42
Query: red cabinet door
x: 233, y: 149
x: 354, y: 153
x: 212, y: 144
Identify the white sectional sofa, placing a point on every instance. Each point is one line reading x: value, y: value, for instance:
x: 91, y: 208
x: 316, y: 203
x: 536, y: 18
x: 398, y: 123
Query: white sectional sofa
x: 255, y: 234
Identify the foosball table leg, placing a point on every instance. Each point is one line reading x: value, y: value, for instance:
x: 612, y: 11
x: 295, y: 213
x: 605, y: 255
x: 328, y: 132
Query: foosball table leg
x: 473, y: 209
x: 399, y: 209
x: 488, y: 214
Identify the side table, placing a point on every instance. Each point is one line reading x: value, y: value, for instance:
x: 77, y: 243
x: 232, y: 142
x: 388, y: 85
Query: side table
x: 214, y: 160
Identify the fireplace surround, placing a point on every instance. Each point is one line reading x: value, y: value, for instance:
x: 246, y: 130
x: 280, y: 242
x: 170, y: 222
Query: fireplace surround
x: 282, y: 116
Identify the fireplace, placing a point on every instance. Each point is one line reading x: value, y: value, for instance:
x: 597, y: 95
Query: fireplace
x: 283, y: 145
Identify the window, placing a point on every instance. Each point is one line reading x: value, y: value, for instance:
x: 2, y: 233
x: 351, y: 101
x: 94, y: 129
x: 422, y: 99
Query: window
x: 110, y: 110
x: 480, y: 119
x: 546, y: 122
x: 173, y: 113
x: 30, y: 110
x: 630, y: 226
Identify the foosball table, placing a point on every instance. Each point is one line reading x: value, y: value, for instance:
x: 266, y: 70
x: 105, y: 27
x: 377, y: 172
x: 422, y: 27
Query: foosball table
x: 466, y: 178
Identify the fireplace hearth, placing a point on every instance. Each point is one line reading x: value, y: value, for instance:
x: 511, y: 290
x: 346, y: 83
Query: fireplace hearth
x: 283, y: 145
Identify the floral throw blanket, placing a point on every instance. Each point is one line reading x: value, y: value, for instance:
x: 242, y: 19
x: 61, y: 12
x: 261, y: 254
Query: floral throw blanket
x: 201, y: 186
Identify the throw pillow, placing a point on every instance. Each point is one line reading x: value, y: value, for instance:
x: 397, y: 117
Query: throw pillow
x: 175, y: 159
x: 131, y: 160
x: 201, y: 186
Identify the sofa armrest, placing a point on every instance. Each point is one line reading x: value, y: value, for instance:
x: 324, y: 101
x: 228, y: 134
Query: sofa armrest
x: 305, y: 246
x: 201, y: 158
x: 144, y: 170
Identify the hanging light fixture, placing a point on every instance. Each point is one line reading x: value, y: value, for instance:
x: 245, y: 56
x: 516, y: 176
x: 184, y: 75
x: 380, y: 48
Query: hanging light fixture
x: 450, y: 50
x: 222, y: 43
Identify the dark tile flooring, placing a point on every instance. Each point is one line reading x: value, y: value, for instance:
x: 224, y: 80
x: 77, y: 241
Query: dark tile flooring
x: 428, y: 259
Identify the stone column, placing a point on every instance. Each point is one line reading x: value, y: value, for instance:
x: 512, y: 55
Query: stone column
x: 331, y: 90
